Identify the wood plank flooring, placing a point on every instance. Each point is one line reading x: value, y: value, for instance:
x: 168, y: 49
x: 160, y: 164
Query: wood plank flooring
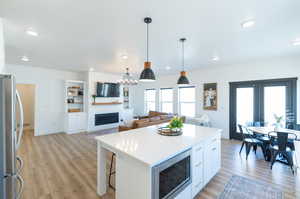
x: 64, y: 166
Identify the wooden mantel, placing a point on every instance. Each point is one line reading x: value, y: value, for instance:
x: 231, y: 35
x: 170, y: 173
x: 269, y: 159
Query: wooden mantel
x: 105, y: 103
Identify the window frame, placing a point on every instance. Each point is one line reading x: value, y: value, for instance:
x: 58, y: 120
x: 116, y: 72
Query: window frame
x: 161, y: 100
x: 179, y: 102
x: 146, y: 101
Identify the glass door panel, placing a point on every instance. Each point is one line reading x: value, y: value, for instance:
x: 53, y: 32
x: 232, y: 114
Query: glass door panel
x: 274, y: 103
x: 244, y: 106
x: 256, y: 103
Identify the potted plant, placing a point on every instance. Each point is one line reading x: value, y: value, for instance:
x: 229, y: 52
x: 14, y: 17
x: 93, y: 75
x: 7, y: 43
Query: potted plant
x: 175, y: 124
x: 94, y: 97
x: 278, y: 122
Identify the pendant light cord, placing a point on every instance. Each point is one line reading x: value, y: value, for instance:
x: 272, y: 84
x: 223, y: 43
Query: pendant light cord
x: 182, y: 55
x: 147, y: 42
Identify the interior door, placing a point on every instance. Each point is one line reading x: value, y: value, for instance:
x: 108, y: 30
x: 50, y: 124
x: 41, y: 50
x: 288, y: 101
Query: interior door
x: 255, y: 103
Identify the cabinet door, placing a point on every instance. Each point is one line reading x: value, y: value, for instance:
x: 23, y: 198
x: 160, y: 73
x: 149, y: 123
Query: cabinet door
x: 81, y: 122
x: 197, y: 169
x: 212, y: 159
x: 73, y: 122
x: 215, y: 160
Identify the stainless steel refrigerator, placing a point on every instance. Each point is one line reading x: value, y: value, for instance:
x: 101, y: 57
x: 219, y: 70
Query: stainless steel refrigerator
x: 11, y: 183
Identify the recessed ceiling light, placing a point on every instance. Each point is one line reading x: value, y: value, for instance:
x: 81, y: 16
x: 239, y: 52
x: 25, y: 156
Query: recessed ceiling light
x: 248, y: 23
x: 31, y: 32
x: 91, y: 69
x: 25, y: 58
x: 124, y: 57
x: 168, y: 68
x: 215, y: 58
x: 296, y: 42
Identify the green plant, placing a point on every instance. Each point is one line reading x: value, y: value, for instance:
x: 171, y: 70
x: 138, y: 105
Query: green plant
x: 278, y: 119
x: 176, y: 122
x: 94, y: 97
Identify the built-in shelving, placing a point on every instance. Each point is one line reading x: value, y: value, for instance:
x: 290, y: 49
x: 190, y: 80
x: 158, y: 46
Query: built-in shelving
x: 75, y: 96
x: 75, y: 103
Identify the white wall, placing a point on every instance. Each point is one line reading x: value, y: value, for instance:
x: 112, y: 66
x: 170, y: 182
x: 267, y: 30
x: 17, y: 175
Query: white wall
x: 2, y: 55
x: 27, y: 94
x: 268, y: 69
x: 49, y: 100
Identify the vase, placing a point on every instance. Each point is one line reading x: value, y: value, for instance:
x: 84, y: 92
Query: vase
x: 277, y: 127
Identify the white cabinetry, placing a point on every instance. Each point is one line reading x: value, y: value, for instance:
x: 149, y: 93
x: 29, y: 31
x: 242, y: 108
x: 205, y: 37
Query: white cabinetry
x: 76, y: 117
x: 212, y: 156
x: 197, y: 168
x: 76, y: 122
x: 206, y: 162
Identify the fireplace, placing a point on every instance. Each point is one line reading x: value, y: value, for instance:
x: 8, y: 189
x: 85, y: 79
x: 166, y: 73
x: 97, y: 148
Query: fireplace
x: 106, y: 118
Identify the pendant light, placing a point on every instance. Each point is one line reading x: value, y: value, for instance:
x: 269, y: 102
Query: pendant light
x: 183, y: 79
x: 147, y: 74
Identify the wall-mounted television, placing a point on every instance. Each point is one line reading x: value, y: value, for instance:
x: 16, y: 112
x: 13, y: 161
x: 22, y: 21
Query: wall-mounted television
x: 108, y: 89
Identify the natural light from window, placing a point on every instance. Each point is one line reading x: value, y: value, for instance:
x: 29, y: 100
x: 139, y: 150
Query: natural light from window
x: 244, y: 106
x: 187, y: 101
x: 274, y: 103
x: 149, y: 96
x: 166, y: 100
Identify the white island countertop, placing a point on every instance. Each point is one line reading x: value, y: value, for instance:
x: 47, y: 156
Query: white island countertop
x: 151, y: 148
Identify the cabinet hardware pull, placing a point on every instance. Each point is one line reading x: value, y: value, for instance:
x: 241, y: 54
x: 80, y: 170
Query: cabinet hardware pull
x: 214, y: 149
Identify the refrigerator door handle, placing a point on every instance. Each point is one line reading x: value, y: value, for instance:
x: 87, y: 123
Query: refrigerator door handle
x: 21, y: 164
x: 21, y: 184
x: 19, y: 135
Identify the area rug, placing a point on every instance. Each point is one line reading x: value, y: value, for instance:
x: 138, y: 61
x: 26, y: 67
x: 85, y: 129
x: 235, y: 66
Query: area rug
x: 244, y: 188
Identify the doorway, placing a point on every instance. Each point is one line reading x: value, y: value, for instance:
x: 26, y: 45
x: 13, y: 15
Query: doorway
x: 27, y: 94
x: 257, y: 103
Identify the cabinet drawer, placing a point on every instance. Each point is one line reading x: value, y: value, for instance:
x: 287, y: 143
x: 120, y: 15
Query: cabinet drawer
x: 198, y: 154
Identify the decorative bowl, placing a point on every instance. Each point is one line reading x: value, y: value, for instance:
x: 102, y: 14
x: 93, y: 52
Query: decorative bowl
x: 169, y: 132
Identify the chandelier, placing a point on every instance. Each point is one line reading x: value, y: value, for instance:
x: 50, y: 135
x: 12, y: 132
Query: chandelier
x: 127, y: 79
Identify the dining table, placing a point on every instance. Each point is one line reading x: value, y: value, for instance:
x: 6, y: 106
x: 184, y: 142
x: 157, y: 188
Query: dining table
x: 267, y: 130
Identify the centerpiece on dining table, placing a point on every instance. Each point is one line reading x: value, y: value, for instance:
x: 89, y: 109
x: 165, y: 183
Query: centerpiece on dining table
x: 174, y: 128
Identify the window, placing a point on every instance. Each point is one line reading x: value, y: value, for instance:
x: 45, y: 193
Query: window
x: 186, y: 101
x: 166, y: 100
x: 150, y: 95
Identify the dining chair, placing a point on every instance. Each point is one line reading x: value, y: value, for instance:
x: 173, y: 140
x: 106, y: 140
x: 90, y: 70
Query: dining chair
x: 111, y: 172
x: 249, y: 141
x: 279, y: 147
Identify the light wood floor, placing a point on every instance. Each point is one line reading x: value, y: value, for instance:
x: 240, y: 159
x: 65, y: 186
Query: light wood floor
x: 63, y: 166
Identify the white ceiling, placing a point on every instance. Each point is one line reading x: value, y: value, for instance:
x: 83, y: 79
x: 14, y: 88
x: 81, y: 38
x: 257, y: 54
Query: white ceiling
x: 76, y: 35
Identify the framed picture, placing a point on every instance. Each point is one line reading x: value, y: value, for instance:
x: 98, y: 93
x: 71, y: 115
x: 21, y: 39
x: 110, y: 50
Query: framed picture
x: 210, y: 99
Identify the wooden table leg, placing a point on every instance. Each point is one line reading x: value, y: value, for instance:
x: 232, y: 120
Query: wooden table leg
x: 101, y: 169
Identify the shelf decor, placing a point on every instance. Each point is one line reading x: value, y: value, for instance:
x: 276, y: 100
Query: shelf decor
x: 74, y: 96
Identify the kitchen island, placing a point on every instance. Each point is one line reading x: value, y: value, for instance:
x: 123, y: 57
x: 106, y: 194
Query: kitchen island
x: 152, y: 166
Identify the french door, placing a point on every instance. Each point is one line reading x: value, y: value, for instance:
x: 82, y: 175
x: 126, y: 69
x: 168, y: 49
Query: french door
x: 257, y: 102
